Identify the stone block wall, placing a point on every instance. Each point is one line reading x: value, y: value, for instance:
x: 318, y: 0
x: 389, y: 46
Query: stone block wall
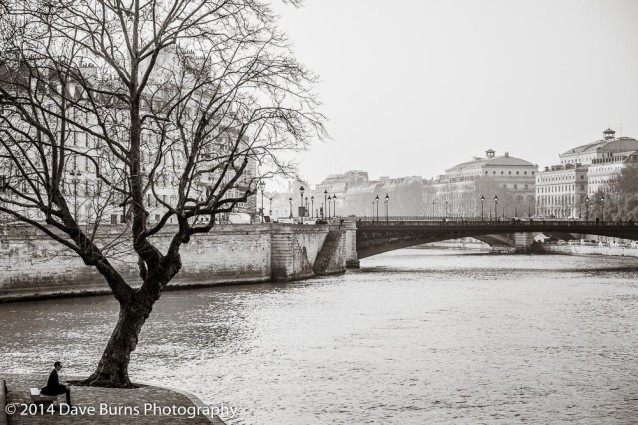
x: 33, y: 266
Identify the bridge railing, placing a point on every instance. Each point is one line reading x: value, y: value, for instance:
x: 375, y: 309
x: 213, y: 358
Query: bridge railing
x: 411, y: 221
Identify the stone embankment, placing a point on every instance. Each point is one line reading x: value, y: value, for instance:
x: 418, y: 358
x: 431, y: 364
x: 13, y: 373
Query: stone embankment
x: 586, y: 250
x: 34, y: 266
x: 146, y: 404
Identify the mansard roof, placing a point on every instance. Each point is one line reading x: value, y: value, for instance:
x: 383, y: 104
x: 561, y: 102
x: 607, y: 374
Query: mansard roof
x: 614, y: 145
x: 497, y: 161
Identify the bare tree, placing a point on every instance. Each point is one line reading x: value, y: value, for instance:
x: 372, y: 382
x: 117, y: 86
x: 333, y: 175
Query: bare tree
x: 160, y: 109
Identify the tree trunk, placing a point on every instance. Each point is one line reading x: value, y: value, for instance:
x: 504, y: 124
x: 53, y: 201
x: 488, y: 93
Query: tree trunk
x: 112, y: 371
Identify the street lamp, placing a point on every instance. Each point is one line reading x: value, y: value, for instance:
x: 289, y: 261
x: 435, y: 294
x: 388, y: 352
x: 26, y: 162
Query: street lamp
x: 377, y: 201
x: 587, y: 208
x: 329, y: 199
x: 75, y: 180
x: 602, y: 206
x: 445, y: 209
x: 305, y: 212
x: 495, y: 207
x: 325, y: 203
x: 433, y: 209
x: 482, y: 206
x: 270, y: 209
x: 290, y: 200
x: 301, y: 209
x: 334, y: 205
x: 372, y: 210
x: 312, y: 206
x: 387, y: 202
x: 262, y: 186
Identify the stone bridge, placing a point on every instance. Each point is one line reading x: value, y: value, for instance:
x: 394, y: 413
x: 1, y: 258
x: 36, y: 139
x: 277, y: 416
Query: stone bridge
x: 378, y: 236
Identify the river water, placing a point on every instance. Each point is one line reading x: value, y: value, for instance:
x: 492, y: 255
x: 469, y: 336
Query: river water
x: 413, y: 337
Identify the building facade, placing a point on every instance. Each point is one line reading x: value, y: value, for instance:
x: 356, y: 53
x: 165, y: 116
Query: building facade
x: 565, y: 190
x: 489, y: 187
x: 94, y: 179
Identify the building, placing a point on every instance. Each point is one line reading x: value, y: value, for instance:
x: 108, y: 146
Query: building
x: 562, y: 191
x: 493, y: 186
x: 603, y: 171
x: 94, y: 175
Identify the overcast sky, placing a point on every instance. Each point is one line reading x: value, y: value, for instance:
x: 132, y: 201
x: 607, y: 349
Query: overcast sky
x: 412, y: 87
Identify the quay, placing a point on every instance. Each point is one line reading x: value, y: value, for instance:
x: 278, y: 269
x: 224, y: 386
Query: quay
x: 99, y: 405
x: 33, y: 266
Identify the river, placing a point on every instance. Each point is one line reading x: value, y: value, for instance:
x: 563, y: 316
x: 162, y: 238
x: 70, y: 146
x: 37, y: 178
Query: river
x: 413, y: 337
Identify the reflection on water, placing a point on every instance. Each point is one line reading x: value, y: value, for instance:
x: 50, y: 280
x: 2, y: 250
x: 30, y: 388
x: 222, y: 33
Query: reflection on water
x: 414, y: 336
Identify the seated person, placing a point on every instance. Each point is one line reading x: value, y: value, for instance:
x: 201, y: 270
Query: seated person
x: 54, y: 387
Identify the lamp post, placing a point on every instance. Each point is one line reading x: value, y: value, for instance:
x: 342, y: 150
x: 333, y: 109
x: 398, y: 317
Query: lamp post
x: 602, y: 207
x: 446, y: 209
x: 387, y: 204
x: 587, y: 208
x: 496, y: 207
x: 433, y: 209
x: 262, y: 186
x: 290, y: 201
x: 373, y: 210
x: 75, y: 180
x: 329, y: 199
x: 305, y: 212
x: 334, y: 205
x: 325, y: 202
x: 377, y: 201
x: 482, y: 206
x: 312, y: 206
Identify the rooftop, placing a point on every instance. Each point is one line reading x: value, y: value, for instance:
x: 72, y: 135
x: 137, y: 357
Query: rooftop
x: 491, y: 161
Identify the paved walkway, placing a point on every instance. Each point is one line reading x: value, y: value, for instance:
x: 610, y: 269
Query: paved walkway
x: 144, y: 405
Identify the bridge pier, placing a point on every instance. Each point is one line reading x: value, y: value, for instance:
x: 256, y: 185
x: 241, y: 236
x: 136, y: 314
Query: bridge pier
x: 523, y: 242
x: 352, y: 260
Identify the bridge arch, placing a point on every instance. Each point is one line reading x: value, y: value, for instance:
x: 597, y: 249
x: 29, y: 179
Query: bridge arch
x: 377, y: 237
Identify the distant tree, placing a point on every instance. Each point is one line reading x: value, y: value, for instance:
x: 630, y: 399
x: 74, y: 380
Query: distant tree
x: 621, y: 197
x: 507, y: 197
x: 407, y: 199
x: 142, y: 106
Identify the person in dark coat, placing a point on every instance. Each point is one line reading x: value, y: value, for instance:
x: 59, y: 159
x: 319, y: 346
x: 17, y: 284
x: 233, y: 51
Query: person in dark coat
x: 54, y: 387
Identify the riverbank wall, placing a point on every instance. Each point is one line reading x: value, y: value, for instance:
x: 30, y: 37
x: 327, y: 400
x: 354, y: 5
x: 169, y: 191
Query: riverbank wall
x: 585, y: 250
x: 463, y: 244
x: 33, y: 266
